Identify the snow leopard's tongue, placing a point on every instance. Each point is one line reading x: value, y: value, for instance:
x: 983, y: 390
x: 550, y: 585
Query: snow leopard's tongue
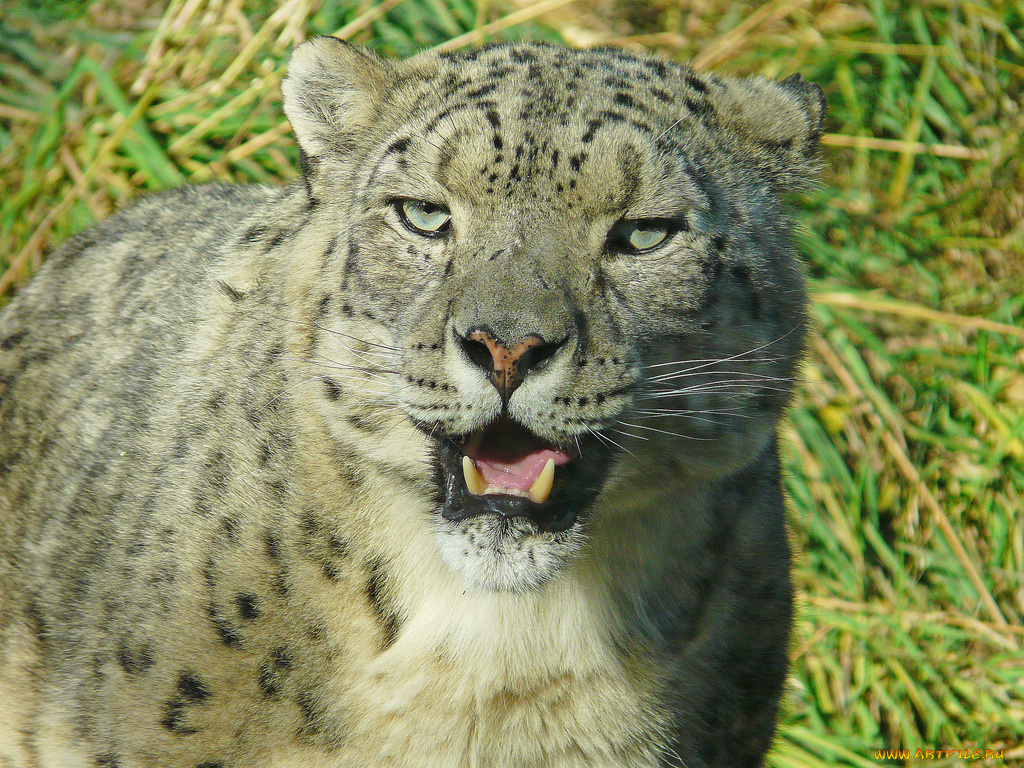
x: 506, y: 458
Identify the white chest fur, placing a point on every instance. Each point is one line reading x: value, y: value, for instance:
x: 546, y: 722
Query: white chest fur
x: 496, y: 679
x: 485, y: 678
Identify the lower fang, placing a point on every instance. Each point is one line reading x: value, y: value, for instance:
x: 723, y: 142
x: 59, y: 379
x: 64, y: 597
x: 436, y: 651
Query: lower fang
x: 475, y: 482
x: 541, y: 487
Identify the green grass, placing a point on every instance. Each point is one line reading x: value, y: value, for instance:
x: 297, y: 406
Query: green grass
x: 905, y: 450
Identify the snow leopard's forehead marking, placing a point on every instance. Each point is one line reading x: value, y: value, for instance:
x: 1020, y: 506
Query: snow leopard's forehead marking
x: 525, y: 121
x: 574, y: 93
x: 557, y: 84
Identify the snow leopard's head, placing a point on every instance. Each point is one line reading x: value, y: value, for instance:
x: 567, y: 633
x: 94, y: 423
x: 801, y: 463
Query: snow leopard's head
x: 566, y: 268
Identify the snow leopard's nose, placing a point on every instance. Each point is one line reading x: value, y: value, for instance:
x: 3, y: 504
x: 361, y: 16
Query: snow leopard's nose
x: 506, y: 363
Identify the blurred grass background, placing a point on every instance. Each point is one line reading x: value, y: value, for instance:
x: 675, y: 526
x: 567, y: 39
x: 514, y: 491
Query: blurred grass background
x: 905, y: 451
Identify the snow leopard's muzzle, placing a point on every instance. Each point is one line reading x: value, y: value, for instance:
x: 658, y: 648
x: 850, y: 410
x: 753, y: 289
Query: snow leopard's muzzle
x: 505, y: 468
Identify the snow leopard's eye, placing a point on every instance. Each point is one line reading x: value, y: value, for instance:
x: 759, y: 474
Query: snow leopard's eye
x: 640, y: 235
x: 643, y: 236
x: 424, y: 218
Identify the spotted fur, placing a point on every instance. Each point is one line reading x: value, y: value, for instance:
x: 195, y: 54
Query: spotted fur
x: 226, y: 412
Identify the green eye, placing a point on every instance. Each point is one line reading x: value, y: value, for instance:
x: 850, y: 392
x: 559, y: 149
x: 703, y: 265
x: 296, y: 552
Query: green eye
x: 643, y: 236
x: 424, y: 218
x: 639, y: 235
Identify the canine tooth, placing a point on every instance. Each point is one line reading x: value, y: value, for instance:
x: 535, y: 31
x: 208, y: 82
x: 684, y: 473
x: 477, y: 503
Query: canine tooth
x: 542, y: 485
x: 474, y: 480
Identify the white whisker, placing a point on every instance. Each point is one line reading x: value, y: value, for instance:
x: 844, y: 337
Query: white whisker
x: 673, y: 434
x: 662, y: 413
x: 734, y: 388
x: 660, y: 431
x: 323, y: 363
x: 743, y: 374
x: 714, y: 360
x: 742, y: 356
x: 608, y: 441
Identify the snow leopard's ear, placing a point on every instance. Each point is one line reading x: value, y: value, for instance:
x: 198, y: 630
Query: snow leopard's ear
x: 331, y: 96
x: 777, y: 126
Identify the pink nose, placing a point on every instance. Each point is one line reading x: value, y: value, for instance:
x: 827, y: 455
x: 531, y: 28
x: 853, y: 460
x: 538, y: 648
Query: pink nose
x: 509, y: 364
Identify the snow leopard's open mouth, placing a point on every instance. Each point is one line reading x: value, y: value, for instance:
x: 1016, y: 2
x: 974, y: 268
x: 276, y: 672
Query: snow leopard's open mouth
x: 506, y: 470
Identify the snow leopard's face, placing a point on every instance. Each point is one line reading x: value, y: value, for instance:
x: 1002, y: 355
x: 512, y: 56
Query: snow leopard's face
x: 578, y: 268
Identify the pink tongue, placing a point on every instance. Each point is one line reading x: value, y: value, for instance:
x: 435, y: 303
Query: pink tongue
x: 519, y: 473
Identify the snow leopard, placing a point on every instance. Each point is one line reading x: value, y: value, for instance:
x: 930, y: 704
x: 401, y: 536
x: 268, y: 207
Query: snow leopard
x: 459, y: 451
